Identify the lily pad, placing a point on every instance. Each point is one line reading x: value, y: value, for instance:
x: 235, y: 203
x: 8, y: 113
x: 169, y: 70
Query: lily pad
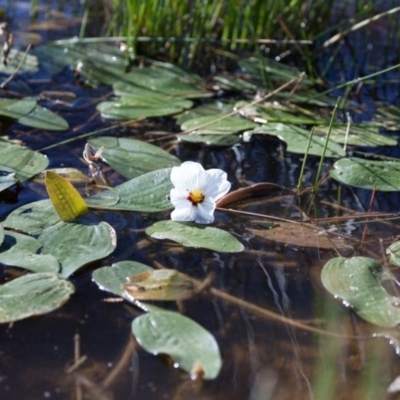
x: 210, y: 140
x: 297, y: 140
x: 161, y: 284
x: 19, y: 250
x: 359, y: 135
x: 112, y: 279
x: 132, y: 158
x: 190, y: 346
x: 394, y: 253
x: 367, y: 174
x: 26, y: 163
x: 33, y: 218
x: 14, y: 108
x: 193, y: 235
x: 146, y: 193
x: 75, y: 244
x: 7, y: 178
x: 358, y: 282
x: 33, y: 294
x: 19, y: 62
x: 42, y: 118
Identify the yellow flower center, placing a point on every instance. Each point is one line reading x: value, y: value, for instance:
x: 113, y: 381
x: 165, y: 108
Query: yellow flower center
x: 196, y: 196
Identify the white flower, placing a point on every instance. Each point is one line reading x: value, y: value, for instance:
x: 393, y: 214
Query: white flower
x: 196, y: 191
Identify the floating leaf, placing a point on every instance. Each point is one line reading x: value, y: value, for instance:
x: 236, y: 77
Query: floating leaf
x: 75, y: 244
x: 162, y: 284
x: 33, y: 294
x: 103, y: 199
x: 297, y: 140
x: 113, y: 278
x: 33, y: 218
x: 7, y: 178
x: 1, y: 234
x: 146, y: 193
x: 359, y: 135
x: 299, y: 234
x: 367, y: 174
x: 70, y: 174
x: 15, y: 109
x: 225, y: 126
x: 19, y: 250
x: 42, y: 118
x: 131, y: 157
x: 211, y: 140
x: 23, y: 161
x: 193, y: 235
x: 394, y: 253
x: 66, y: 200
x: 358, y: 282
x: 191, y: 347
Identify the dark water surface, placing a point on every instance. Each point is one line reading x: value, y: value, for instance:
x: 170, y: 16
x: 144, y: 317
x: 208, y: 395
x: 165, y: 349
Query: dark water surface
x: 265, y: 356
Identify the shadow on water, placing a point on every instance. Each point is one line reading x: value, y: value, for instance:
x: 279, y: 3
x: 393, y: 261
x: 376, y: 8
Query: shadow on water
x: 281, y: 335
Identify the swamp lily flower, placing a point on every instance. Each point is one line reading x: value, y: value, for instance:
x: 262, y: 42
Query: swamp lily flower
x: 196, y: 191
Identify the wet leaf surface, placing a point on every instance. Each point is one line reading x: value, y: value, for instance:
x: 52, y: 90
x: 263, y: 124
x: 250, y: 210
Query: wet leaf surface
x: 75, y: 245
x: 193, y: 235
x: 20, y: 250
x: 394, y: 253
x: 192, y: 347
x: 367, y: 174
x: 132, y: 158
x: 7, y: 178
x: 33, y: 294
x: 358, y: 282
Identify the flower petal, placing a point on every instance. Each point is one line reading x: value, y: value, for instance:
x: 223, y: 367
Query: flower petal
x: 187, y: 176
x: 184, y: 213
x: 217, y: 184
x: 205, y: 212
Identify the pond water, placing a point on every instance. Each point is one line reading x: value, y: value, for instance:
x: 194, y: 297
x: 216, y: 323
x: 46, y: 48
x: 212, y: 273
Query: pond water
x: 281, y: 335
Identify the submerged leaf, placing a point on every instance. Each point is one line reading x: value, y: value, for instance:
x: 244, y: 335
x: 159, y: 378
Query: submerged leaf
x: 132, y: 158
x: 163, y: 284
x: 186, y: 342
x: 358, y: 282
x: 19, y: 250
x: 23, y: 161
x: 33, y: 294
x: 146, y: 193
x: 190, y: 234
x: 75, y: 244
x: 66, y: 200
x: 367, y: 174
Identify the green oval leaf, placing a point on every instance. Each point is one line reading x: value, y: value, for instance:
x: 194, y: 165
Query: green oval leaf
x: 297, y: 140
x: 33, y: 294
x: 19, y: 250
x: 66, y: 200
x: 186, y: 342
x: 42, y: 118
x: 33, y: 218
x: 211, y: 140
x: 193, y: 235
x: 358, y: 282
x: 146, y: 193
x: 132, y: 158
x: 112, y: 279
x: 23, y: 161
x: 367, y: 174
x: 13, y: 108
x: 75, y: 244
x: 1, y: 234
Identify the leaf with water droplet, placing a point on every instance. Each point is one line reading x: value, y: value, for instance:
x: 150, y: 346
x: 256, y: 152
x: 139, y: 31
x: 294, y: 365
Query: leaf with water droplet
x: 194, y: 235
x: 191, y: 346
x: 358, y: 282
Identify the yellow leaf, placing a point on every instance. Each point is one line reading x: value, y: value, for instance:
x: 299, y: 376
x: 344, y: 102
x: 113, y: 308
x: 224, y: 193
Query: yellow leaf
x: 66, y: 200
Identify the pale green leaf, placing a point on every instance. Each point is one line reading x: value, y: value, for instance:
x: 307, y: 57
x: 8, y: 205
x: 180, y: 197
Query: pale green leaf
x: 14, y: 108
x: 191, y: 347
x: 394, y: 253
x: 194, y: 235
x: 7, y: 178
x: 358, y: 282
x: 131, y: 157
x: 367, y: 174
x: 146, y: 193
x: 42, y: 118
x: 19, y: 62
x: 19, y: 250
x: 26, y: 163
x: 33, y: 294
x: 76, y: 244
